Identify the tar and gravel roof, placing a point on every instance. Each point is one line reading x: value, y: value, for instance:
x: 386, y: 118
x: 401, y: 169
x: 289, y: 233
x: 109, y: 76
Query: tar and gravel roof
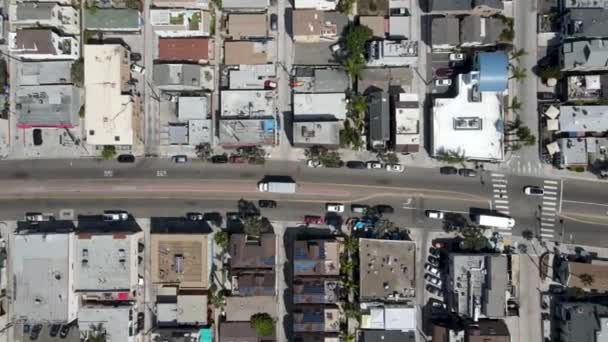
x: 183, y: 49
x: 193, y: 252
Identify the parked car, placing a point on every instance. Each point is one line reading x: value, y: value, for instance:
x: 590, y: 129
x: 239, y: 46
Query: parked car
x: 313, y: 163
x: 533, y: 190
x: 26, y: 328
x: 135, y: 56
x: 467, y: 172
x: 313, y: 219
x: 373, y: 165
x: 434, y: 214
x: 194, y: 216
x: 37, y: 137
x: 64, y: 331
x: 395, y: 168
x: 359, y: 208
x: 431, y: 269
x: 448, y: 170
x: 219, y: 159
x: 384, y: 209
x: 444, y: 72
x: 273, y: 22
x: 268, y: 84
x: 334, y: 207
x: 546, y: 96
x: 126, y: 158
x: 54, y: 330
x: 138, y: 68
x: 179, y: 159
x: 434, y: 251
x: 355, y: 164
x: 35, y: 332
x: 433, y: 290
x: 443, y: 82
x: 214, y: 217
x: 267, y: 204
x: 236, y: 159
x: 433, y: 260
x: 34, y: 217
x: 115, y: 215
x: 433, y: 280
x: 456, y: 57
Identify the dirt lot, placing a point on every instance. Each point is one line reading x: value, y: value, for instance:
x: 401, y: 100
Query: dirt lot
x: 372, y: 7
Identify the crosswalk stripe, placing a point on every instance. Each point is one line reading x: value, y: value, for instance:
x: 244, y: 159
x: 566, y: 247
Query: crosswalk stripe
x: 550, y: 192
x: 548, y: 214
x: 550, y: 198
x: 500, y: 180
x: 506, y: 212
x: 499, y: 196
x: 500, y: 191
x: 497, y: 175
x: 550, y: 181
x: 550, y: 224
x: 549, y: 206
x: 550, y: 187
x: 551, y: 219
x: 499, y: 185
x: 546, y: 230
x: 502, y: 206
x: 500, y: 201
x: 550, y: 236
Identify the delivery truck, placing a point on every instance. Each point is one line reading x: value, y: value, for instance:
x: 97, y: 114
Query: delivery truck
x: 495, y: 221
x: 281, y: 186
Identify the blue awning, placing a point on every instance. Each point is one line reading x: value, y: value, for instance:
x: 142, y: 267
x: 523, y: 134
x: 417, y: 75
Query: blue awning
x: 493, y: 71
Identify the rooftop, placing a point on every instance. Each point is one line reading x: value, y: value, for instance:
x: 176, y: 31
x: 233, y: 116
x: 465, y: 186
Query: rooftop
x: 599, y: 272
x: 247, y: 132
x: 386, y: 336
x: 47, y: 72
x: 463, y: 5
x: 314, y: 54
x: 247, y: 25
x: 186, y: 310
x: 316, y: 319
x: 253, y: 254
x: 115, y: 321
x: 193, y: 108
x: 251, y: 76
x: 487, y: 330
x: 400, y: 26
x: 317, y: 257
x: 573, y: 151
x: 445, y: 31
x: 470, y: 124
x: 180, y: 259
x: 387, y: 270
x: 105, y: 262
x: 40, y: 42
x: 326, y: 80
x: 585, y: 23
x: 316, y: 291
x: 246, y: 52
x: 247, y: 103
x: 240, y: 332
x: 317, y: 133
x: 194, y: 49
x: 240, y: 309
x: 585, y: 4
x: 376, y: 23
x: 379, y: 119
x: 407, y: 122
x: 260, y: 283
x: 312, y: 25
x: 112, y: 19
x: 579, y: 321
x: 588, y: 87
x: 243, y: 5
x: 392, y: 53
x: 585, y: 54
x: 47, y: 106
x: 319, y: 106
x: 583, y: 118
x: 476, y: 30
x: 43, y: 275
x: 184, y: 76
x: 389, y: 317
x: 493, y: 70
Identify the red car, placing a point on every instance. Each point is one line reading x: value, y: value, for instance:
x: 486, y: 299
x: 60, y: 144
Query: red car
x: 444, y: 72
x: 268, y: 84
x: 236, y: 159
x: 311, y: 219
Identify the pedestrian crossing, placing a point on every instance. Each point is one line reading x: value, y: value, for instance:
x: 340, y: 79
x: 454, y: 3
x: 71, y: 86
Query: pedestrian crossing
x: 549, y: 209
x: 500, y: 198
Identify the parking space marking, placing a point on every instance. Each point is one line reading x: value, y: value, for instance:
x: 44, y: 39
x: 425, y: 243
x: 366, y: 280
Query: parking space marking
x: 108, y: 173
x: 161, y: 173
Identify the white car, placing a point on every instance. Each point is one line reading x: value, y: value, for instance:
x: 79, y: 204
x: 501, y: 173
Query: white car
x: 443, y: 82
x: 138, y: 68
x: 431, y: 269
x: 456, y: 57
x: 313, y: 163
x: 433, y: 280
x: 434, y: 214
x: 115, y: 215
x: 373, y: 165
x: 395, y: 168
x: 534, y: 191
x: 334, y: 207
x: 34, y: 217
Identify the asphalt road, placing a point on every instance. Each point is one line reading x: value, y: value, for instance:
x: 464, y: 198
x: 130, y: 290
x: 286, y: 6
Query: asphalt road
x: 156, y: 187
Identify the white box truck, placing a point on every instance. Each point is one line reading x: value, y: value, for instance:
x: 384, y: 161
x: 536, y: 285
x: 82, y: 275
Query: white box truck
x: 495, y: 221
x: 278, y: 186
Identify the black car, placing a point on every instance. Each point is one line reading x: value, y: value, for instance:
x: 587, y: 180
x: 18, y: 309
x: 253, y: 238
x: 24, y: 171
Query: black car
x: 54, y: 330
x: 273, y: 22
x: 214, y: 217
x: 384, y: 209
x: 37, y: 137
x: 267, y: 204
x: 219, y: 159
x: 135, y: 56
x: 448, y: 170
x: 467, y: 172
x: 65, y: 330
x: 35, y: 332
x: 355, y: 164
x: 126, y: 158
x: 26, y: 328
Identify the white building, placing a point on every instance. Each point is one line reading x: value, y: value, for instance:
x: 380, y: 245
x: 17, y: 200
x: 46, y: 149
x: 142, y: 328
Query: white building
x: 382, y: 53
x: 42, y: 45
x: 33, y: 14
x: 321, y: 5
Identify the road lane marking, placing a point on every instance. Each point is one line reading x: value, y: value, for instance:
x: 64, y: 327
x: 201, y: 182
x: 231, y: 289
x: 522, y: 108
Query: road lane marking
x: 501, y: 201
x: 502, y: 206
x: 502, y: 191
x: 549, y: 236
x: 499, y: 185
x: 547, y: 224
x: 587, y: 203
x: 550, y: 181
x: 497, y: 175
x: 548, y: 214
x: 551, y: 219
x: 546, y: 229
x: 108, y: 173
x: 501, y: 196
x: 506, y: 212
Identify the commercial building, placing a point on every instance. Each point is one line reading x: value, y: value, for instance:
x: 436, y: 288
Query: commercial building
x: 247, y: 103
x: 247, y: 52
x: 180, y: 22
x: 247, y: 132
x: 189, y: 49
x: 577, y: 23
x: 47, y: 106
x: 43, y: 44
x: 320, y: 80
x: 317, y: 257
x: 480, y: 31
x: 487, y: 330
x: 580, y: 321
x: 458, y: 7
x: 406, y: 136
x: 184, y: 77
x: 321, y: 5
x: 584, y: 55
x: 252, y: 264
x: 180, y: 310
x: 34, y: 14
x: 392, y: 53
x: 587, y: 87
x: 477, y: 285
x: 583, y: 119
x: 115, y: 323
x: 445, y: 32
x: 242, y: 26
x: 389, y: 317
x: 580, y: 151
x: 319, y: 106
x: 314, y: 133
x: 43, y: 73
x: 245, y: 5
x: 379, y: 120
x: 569, y: 274
x: 251, y: 76
x: 313, y: 26
x: 113, y: 20
x: 112, y: 115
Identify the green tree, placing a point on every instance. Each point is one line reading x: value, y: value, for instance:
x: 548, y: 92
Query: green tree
x: 351, y: 310
x: 346, y: 6
x: 347, y: 265
x: 81, y: 112
x: 216, y: 297
x: 134, y: 4
x: 517, y: 54
x: 349, y: 338
x: 77, y: 72
x: 348, y: 284
x: 474, y: 239
x: 316, y: 151
x: 517, y: 73
x: 351, y: 245
x: 527, y: 234
x: 356, y: 38
x: 506, y: 35
x: 451, y: 157
x: 262, y: 323
x: 204, y: 151
x: 256, y: 226
x: 353, y: 66
x: 389, y: 158
x: 331, y: 159
x: 108, y: 152
x: 550, y: 71
x: 221, y: 239
x: 515, y: 104
x: 357, y: 111
x: 587, y: 279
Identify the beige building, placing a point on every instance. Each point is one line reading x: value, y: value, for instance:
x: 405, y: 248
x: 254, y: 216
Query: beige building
x: 247, y: 26
x: 245, y: 52
x: 312, y: 26
x: 111, y: 114
x: 180, y: 260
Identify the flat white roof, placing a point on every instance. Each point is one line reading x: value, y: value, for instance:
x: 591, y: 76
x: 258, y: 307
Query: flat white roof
x: 474, y: 129
x: 407, y: 121
x: 108, y: 113
x: 247, y: 103
x: 333, y: 104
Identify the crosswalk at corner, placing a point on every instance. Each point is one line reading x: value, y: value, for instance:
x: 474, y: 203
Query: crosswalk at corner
x: 500, y: 199
x: 549, y: 209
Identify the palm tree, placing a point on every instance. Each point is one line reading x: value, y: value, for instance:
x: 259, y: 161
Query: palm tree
x: 517, y: 73
x: 221, y: 239
x: 351, y: 245
x: 353, y: 66
x: 515, y: 124
x: 349, y: 338
x: 515, y: 104
x: 587, y: 279
x: 349, y: 284
x: 517, y: 54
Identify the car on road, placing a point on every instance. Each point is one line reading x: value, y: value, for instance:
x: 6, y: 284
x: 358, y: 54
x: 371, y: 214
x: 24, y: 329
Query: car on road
x: 373, y: 164
x: 384, y: 209
x: 443, y: 82
x: 313, y: 163
x: 54, y: 330
x: 37, y: 137
x: 219, y: 159
x: 395, y: 168
x: 444, y: 72
x: 35, y: 332
x: 448, y: 170
x: 267, y: 204
x: 431, y: 269
x: 179, y: 159
x: 334, y: 207
x: 138, y: 68
x: 456, y: 57
x: 135, y: 56
x: 115, y: 215
x: 269, y: 84
x: 313, y: 219
x: 214, y: 217
x: 26, y: 328
x: 467, y: 172
x: 34, y: 217
x: 434, y: 214
x: 433, y: 290
x: 64, y: 331
x: 194, y: 216
x: 335, y: 48
x: 359, y: 208
x: 236, y: 159
x: 273, y: 22
x: 126, y: 158
x: 534, y: 190
x: 355, y: 164
x: 433, y: 280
